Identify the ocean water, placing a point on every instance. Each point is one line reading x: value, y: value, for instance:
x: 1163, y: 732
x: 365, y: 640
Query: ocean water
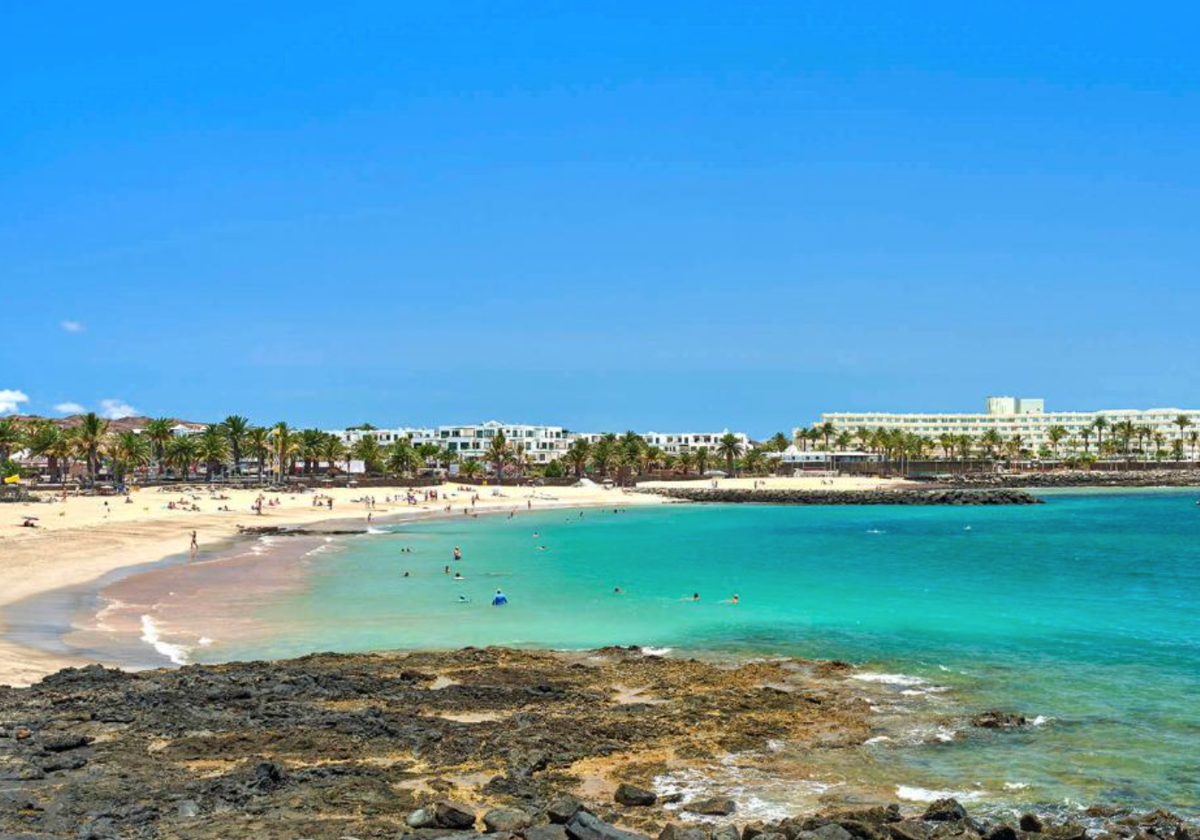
x: 1081, y: 613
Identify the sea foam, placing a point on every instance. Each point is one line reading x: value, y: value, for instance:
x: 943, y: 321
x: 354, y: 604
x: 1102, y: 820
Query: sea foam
x: 176, y: 653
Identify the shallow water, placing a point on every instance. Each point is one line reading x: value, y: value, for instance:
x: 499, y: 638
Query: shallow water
x: 1080, y: 613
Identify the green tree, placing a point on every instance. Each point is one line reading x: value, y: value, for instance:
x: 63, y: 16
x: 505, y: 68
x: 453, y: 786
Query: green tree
x: 578, y: 454
x: 235, y: 428
x: 183, y: 451
x: 402, y: 459
x: 1056, y: 434
x: 991, y: 441
x: 213, y: 450
x: 604, y: 454
x: 129, y: 451
x: 1098, y: 426
x: 283, y: 448
x: 701, y: 455
x: 778, y: 442
x: 470, y: 468
x: 258, y: 447
x: 11, y: 438
x: 89, y: 439
x: 498, y: 452
x: 158, y: 432
x: 368, y: 450
x: 729, y: 448
x: 333, y: 452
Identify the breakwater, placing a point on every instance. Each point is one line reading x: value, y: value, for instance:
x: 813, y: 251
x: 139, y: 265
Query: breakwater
x: 925, y: 496
x: 1077, y: 478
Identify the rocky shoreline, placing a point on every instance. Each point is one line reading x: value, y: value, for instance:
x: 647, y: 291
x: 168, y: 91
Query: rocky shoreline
x: 497, y: 742
x: 1076, y: 478
x: 924, y: 496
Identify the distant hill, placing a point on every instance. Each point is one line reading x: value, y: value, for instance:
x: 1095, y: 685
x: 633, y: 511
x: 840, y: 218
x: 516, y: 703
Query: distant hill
x: 125, y: 424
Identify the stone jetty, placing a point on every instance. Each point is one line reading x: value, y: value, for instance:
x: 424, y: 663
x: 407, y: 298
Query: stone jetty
x: 922, y: 496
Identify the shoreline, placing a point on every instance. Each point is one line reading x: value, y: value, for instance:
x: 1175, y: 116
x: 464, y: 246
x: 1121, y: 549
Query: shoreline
x: 63, y: 561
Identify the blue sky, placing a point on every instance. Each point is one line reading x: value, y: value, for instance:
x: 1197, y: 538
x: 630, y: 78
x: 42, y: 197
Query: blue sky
x: 651, y: 215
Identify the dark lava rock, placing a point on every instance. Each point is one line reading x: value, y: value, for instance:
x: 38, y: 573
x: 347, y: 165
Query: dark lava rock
x: 633, y: 795
x: 584, y: 826
x: 717, y: 806
x: 422, y: 818
x: 908, y: 830
x: 507, y: 819
x: 860, y: 829
x: 545, y: 832
x: 831, y: 831
x: 996, y: 719
x: 1001, y: 832
x: 1069, y: 831
x: 453, y: 815
x: 1031, y: 823
x: 674, y: 831
x: 62, y: 762
x: 562, y: 809
x: 945, y: 809
x: 62, y: 743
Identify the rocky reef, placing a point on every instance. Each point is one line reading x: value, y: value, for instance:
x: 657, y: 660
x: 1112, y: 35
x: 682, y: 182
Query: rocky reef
x: 478, y: 743
x: 1077, y: 478
x: 331, y: 745
x: 924, y: 496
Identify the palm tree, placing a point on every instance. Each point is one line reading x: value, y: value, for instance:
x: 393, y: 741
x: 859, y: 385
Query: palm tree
x: 685, y: 461
x: 991, y: 441
x: 754, y: 461
x: 129, y: 451
x: 158, y: 432
x: 1099, y: 425
x: 47, y: 440
x: 604, y: 454
x: 701, y: 456
x: 402, y: 458
x: 309, y: 448
x: 470, y: 468
x: 283, y: 447
x: 948, y: 442
x: 778, y: 442
x: 446, y: 459
x: 1085, y: 434
x: 1055, y: 435
x: 1193, y: 440
x: 332, y: 452
x: 258, y: 447
x: 826, y: 430
x: 1182, y: 421
x: 10, y: 438
x: 89, y: 438
x: 1159, y: 439
x: 966, y: 444
x: 368, y: 450
x: 497, y: 453
x: 729, y: 448
x: 577, y: 454
x: 213, y: 450
x: 235, y: 427
x: 182, y: 452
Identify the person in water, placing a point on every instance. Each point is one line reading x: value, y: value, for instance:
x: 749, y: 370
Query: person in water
x: 457, y: 553
x: 458, y: 576
x: 463, y: 599
x: 499, y: 599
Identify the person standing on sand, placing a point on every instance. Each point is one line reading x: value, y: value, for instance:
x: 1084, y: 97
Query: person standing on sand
x: 194, y: 547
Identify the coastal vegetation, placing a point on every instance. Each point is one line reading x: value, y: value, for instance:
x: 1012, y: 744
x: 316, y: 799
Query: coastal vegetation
x: 90, y: 449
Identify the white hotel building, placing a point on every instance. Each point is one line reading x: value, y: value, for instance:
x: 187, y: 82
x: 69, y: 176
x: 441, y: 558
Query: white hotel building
x: 541, y: 444
x: 1016, y: 416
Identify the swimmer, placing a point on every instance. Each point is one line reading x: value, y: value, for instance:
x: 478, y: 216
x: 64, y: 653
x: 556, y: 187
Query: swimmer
x: 463, y: 599
x: 458, y: 576
x: 446, y: 570
x: 616, y: 590
x: 500, y: 599
x: 542, y: 548
x: 457, y: 553
x: 406, y: 573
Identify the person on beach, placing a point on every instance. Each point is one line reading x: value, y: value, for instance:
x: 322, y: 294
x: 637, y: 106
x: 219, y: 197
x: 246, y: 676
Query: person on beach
x: 500, y: 599
x: 195, y: 546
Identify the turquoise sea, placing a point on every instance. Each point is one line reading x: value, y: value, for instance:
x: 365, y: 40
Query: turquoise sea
x: 1080, y: 613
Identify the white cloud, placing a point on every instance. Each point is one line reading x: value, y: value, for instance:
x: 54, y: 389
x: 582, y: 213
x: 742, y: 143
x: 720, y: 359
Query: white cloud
x: 68, y: 408
x: 71, y: 326
x: 116, y: 409
x: 9, y: 400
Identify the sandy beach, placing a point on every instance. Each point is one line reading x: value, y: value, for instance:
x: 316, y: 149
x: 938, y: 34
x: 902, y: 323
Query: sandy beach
x: 81, y: 539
